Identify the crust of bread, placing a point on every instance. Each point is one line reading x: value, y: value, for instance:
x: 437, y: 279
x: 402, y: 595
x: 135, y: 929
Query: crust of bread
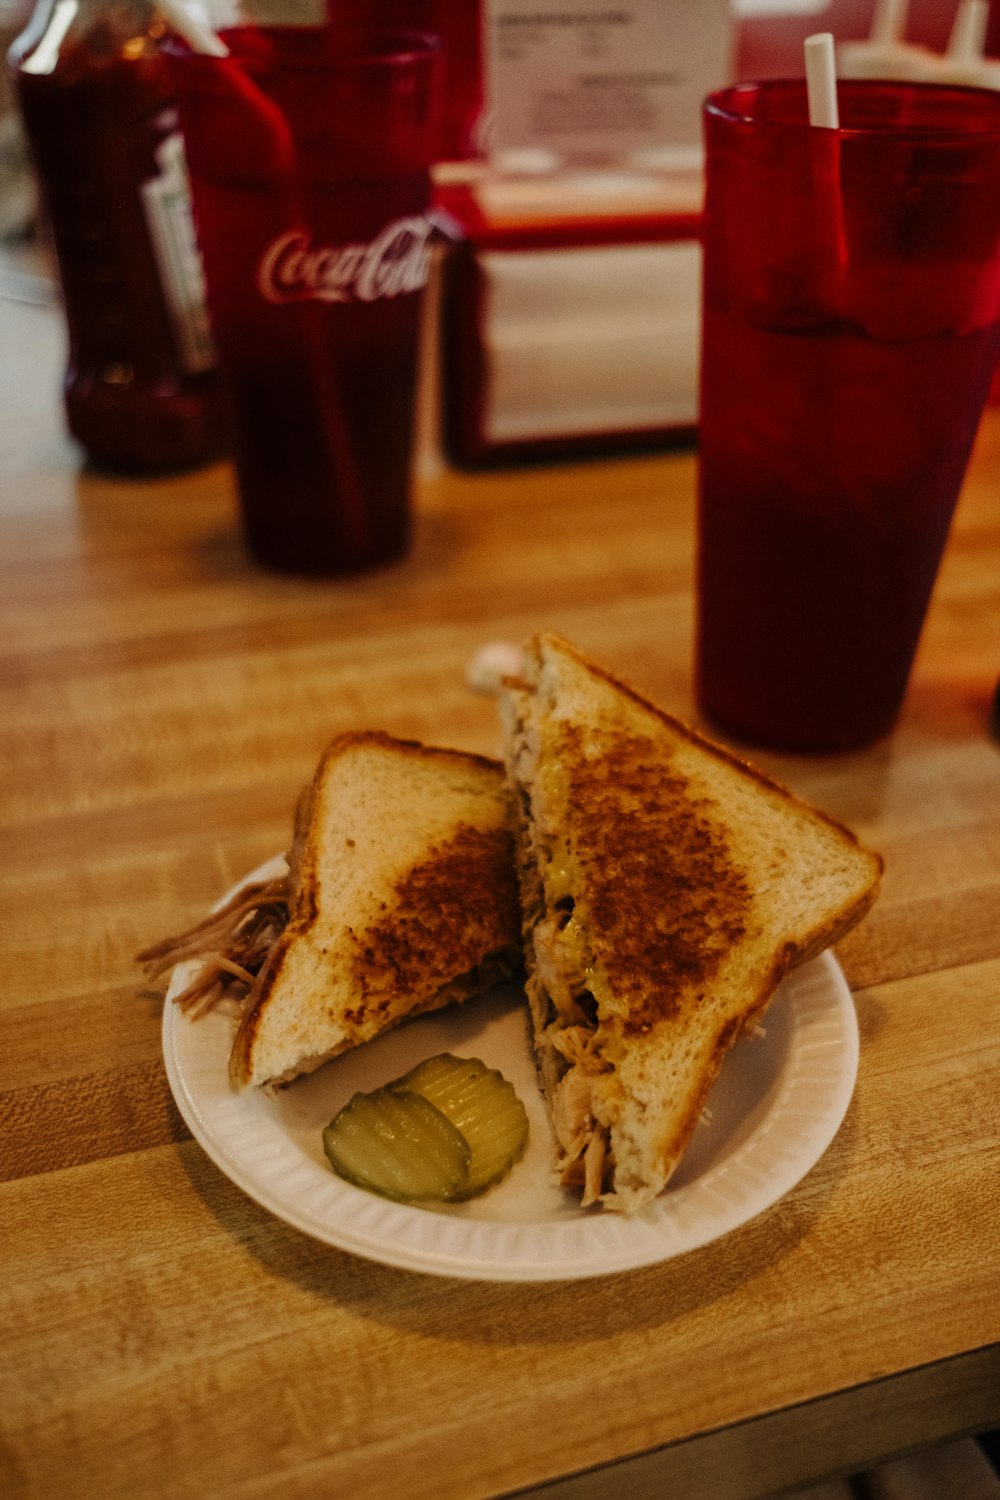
x: 403, y: 901
x: 667, y: 887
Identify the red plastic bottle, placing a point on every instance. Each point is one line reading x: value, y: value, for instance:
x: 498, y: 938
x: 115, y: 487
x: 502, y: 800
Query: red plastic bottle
x: 96, y: 96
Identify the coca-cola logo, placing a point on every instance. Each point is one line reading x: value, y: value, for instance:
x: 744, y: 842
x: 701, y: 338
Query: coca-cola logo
x: 397, y: 260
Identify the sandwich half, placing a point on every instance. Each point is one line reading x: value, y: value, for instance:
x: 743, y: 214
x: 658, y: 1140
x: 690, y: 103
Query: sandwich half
x: 402, y: 899
x: 666, y: 888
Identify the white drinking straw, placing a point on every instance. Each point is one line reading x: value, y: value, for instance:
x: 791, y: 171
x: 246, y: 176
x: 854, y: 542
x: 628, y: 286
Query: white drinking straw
x: 821, y: 81
x: 885, y: 54
x: 197, y: 35
x: 967, y: 42
x: 965, y: 60
x: 888, y: 22
x: 821, y: 93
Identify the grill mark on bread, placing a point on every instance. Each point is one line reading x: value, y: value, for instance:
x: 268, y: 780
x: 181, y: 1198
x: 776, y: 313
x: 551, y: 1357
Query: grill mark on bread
x: 472, y: 872
x: 378, y: 807
x: 665, y: 901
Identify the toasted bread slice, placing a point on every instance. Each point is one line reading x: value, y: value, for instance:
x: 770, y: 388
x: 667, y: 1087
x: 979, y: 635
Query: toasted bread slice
x: 403, y: 900
x: 666, y: 887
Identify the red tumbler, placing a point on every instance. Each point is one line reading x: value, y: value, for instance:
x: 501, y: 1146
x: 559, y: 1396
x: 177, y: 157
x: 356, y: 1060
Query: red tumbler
x: 310, y: 169
x: 851, y: 326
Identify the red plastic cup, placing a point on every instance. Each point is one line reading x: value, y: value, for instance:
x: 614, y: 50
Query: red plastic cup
x: 458, y: 26
x: 851, y: 326
x: 311, y: 186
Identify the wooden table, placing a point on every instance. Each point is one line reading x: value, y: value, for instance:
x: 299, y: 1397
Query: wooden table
x: 162, y: 701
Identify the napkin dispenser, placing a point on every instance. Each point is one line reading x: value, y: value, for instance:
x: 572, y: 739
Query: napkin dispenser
x: 570, y: 314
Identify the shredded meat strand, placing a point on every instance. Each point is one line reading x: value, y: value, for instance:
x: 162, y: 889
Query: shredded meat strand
x: 593, y: 1167
x: 232, y: 944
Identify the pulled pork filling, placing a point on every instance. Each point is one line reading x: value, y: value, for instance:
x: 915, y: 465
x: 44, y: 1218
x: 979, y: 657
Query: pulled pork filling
x: 577, y: 1078
x: 232, y: 944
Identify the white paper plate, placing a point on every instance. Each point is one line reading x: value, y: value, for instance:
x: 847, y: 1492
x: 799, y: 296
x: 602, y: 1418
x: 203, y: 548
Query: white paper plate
x: 774, y: 1109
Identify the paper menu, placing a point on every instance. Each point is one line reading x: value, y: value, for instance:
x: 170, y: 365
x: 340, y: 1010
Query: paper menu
x: 598, y: 83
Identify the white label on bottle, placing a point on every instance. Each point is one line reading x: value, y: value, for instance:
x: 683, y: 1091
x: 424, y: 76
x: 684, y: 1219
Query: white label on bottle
x: 167, y: 201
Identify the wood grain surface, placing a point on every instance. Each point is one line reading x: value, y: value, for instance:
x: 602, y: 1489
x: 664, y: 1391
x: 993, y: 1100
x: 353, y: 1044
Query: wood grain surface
x: 161, y: 703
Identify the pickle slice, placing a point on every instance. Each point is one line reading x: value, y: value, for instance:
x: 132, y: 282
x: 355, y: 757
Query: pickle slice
x: 399, y: 1144
x: 481, y: 1103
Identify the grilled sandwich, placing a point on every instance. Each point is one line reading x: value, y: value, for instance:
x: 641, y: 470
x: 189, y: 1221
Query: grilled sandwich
x: 400, y: 897
x: 403, y: 899
x: 666, y: 889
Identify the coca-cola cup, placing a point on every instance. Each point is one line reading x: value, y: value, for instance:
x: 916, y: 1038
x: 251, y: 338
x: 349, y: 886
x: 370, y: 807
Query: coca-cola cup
x: 851, y: 329
x: 310, y: 178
